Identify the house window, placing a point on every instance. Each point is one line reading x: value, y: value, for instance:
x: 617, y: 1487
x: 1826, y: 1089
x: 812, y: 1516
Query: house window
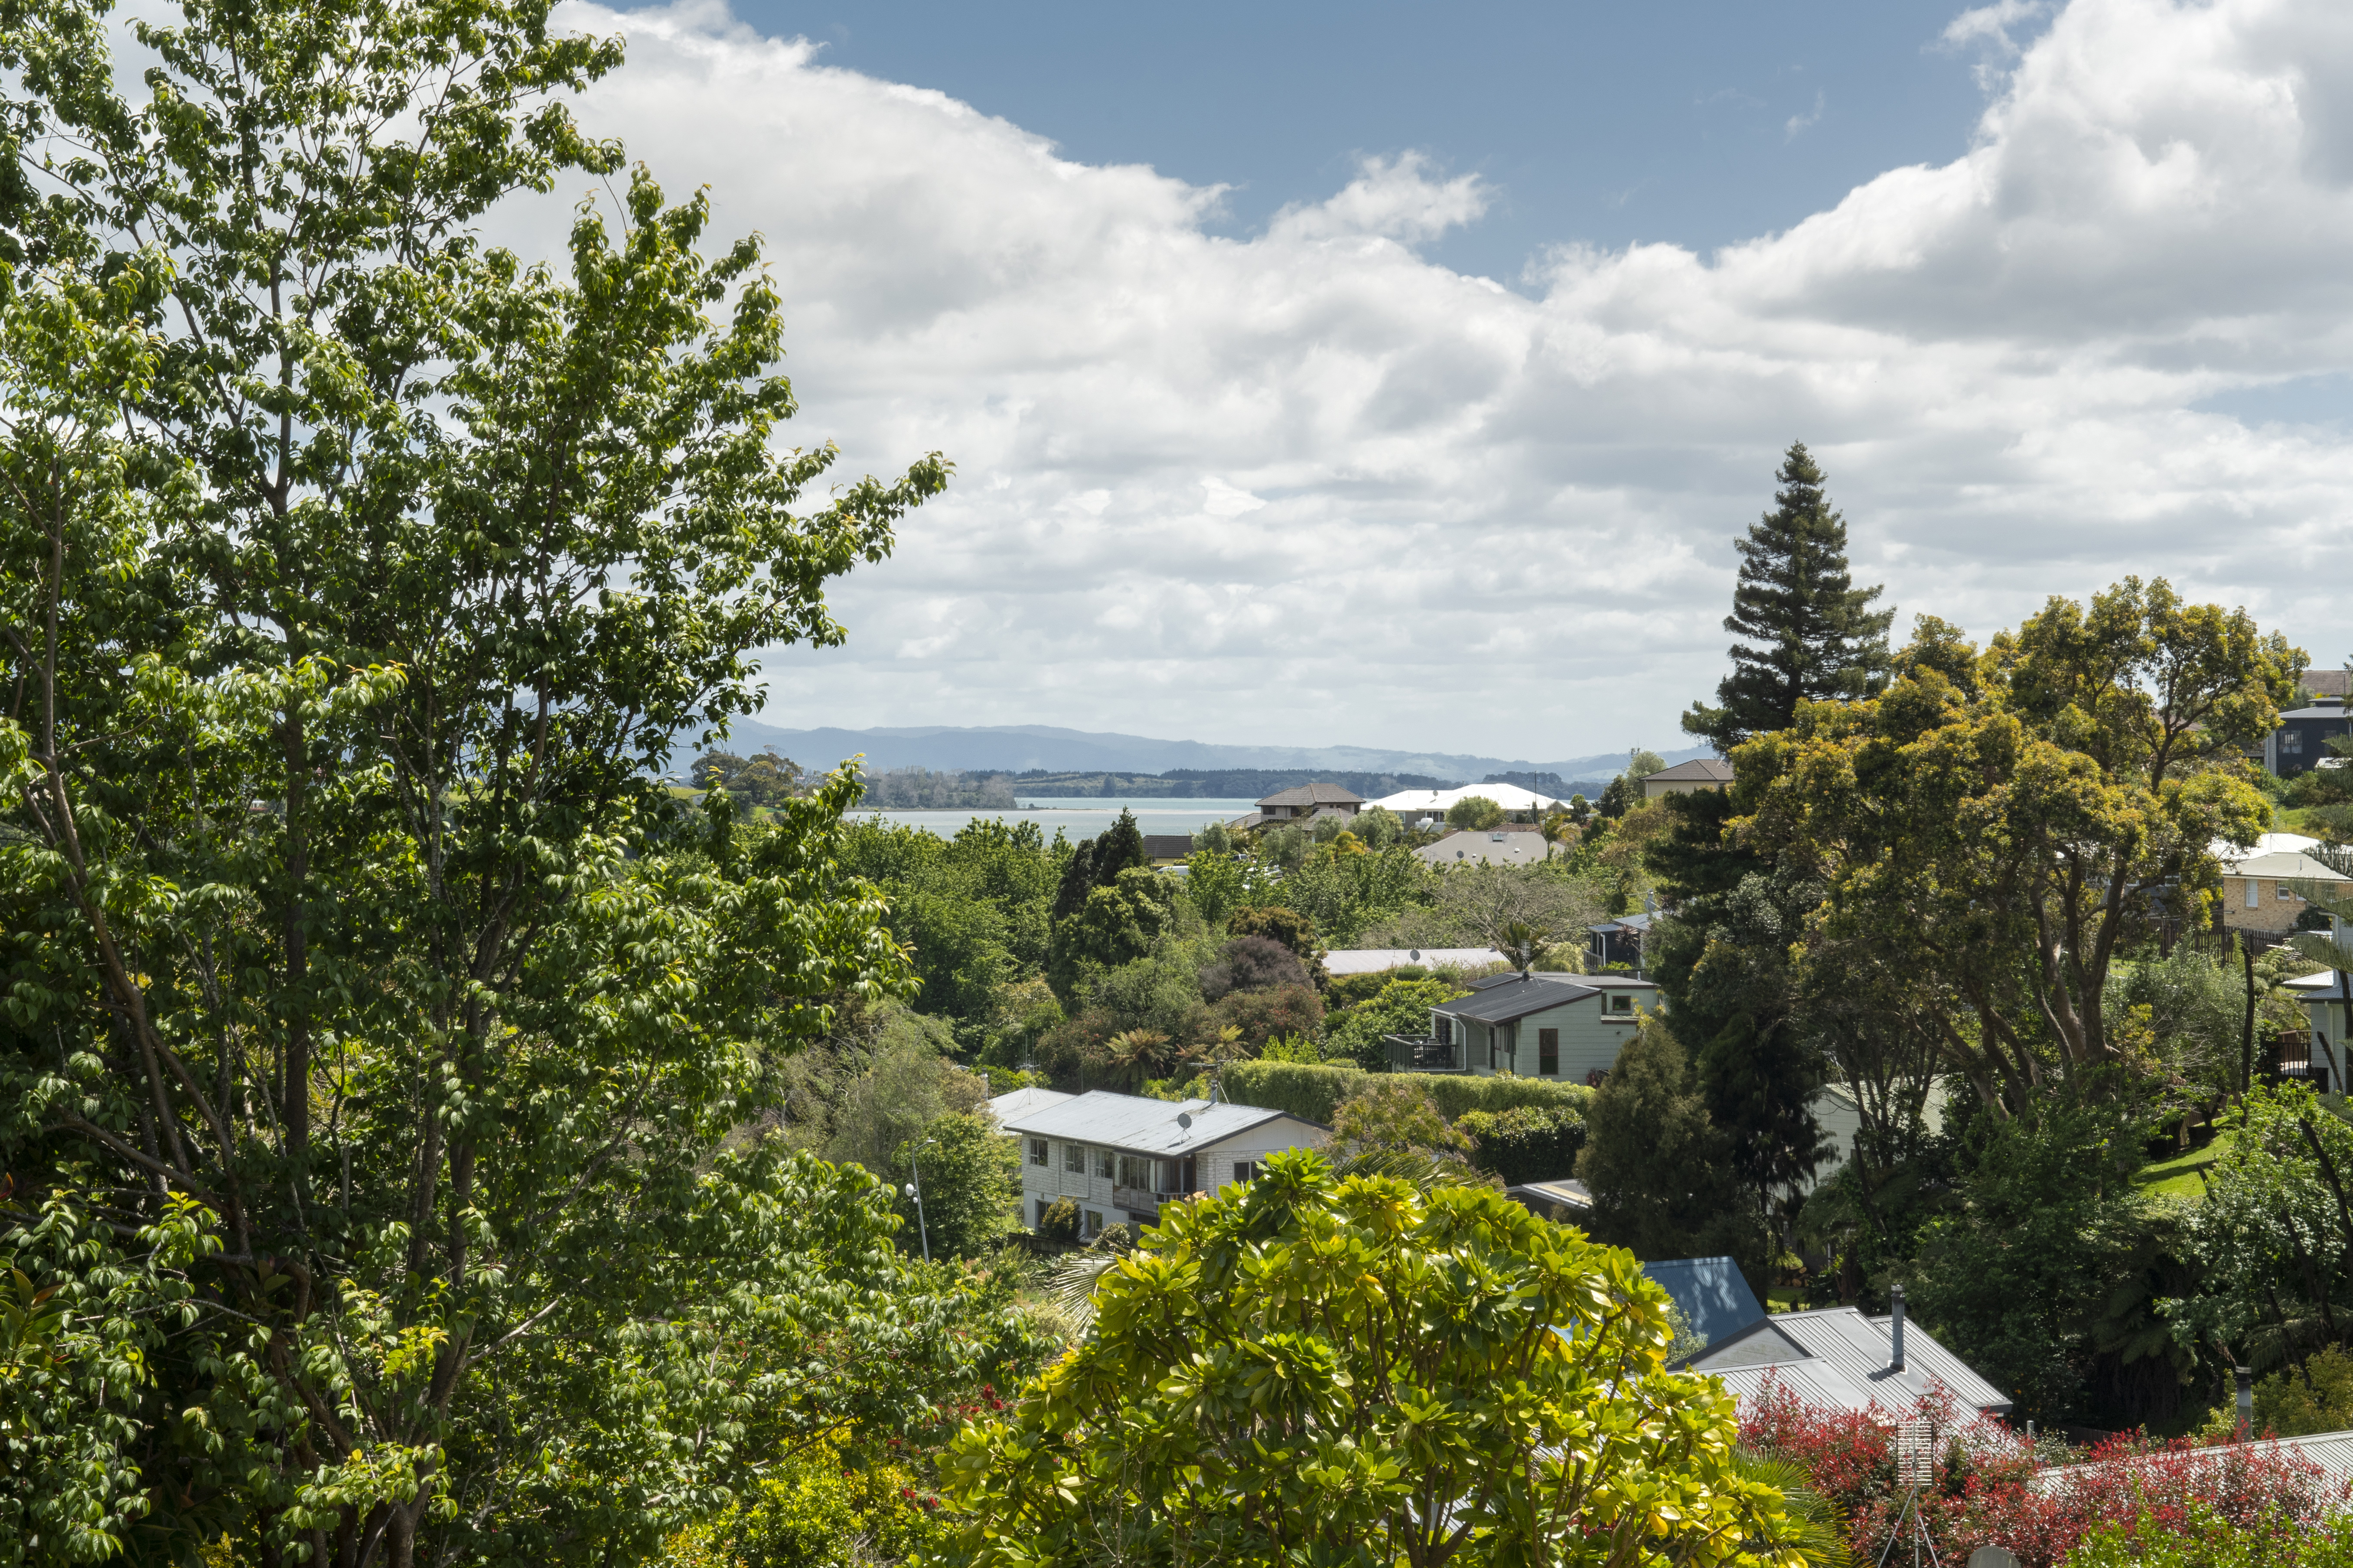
x: 1134, y: 1171
x: 1245, y: 1170
x: 2284, y: 895
x: 1102, y: 1163
x: 1445, y: 1031
x: 1549, y: 1052
x: 2292, y: 743
x: 2254, y: 894
x: 1037, y: 1152
x: 1095, y: 1224
x: 1621, y: 1005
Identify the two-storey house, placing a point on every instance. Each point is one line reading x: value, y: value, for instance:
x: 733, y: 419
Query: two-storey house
x: 1121, y: 1156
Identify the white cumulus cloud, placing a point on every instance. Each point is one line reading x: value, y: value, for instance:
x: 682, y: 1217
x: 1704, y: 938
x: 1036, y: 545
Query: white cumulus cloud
x: 1309, y: 486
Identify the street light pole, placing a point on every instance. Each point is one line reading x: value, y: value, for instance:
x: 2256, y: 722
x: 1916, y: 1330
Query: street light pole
x: 915, y: 1190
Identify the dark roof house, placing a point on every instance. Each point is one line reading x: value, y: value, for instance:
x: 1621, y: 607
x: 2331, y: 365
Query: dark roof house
x: 1310, y: 800
x: 1705, y: 772
x: 2301, y: 742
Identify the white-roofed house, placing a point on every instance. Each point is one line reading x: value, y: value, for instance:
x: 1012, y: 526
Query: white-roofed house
x: 1121, y: 1156
x: 1414, y: 806
x: 2259, y: 886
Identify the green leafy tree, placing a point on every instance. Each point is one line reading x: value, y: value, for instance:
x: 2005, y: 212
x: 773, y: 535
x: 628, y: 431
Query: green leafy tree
x: 1475, y: 814
x: 1641, y: 762
x: 1399, y: 1008
x: 1293, y: 928
x: 1391, y: 1115
x: 2316, y: 1397
x: 364, y: 574
x: 1660, y: 1171
x: 970, y: 1175
x: 1097, y: 862
x: 1309, y: 1369
x: 1991, y: 833
x: 1808, y: 633
x: 761, y: 780
x: 1525, y: 1144
x: 1115, y: 925
x: 2017, y: 1276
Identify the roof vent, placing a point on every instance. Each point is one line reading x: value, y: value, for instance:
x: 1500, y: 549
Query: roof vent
x: 1896, y: 1324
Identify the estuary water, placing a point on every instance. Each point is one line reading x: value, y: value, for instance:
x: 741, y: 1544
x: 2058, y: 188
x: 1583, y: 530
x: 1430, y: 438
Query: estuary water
x: 1077, y: 818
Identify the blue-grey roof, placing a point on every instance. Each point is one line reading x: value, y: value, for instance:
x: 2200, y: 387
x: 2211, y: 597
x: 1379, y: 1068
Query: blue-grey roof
x: 2330, y: 712
x: 1510, y: 997
x: 1142, y: 1125
x: 1835, y: 1355
x: 1712, y: 1297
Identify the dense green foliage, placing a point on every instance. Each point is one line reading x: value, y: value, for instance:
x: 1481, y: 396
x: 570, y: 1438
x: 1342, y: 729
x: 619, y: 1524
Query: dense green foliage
x: 1525, y: 1144
x: 969, y: 1177
x: 1317, y: 1370
x: 1658, y: 1168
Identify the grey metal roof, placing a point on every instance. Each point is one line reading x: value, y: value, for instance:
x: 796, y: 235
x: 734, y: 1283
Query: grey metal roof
x: 1542, y: 1195
x: 1022, y: 1102
x: 1517, y: 998
x: 1140, y: 1125
x: 1373, y: 960
x: 2284, y: 867
x: 2330, y: 1453
x: 2328, y: 710
x: 1842, y: 1351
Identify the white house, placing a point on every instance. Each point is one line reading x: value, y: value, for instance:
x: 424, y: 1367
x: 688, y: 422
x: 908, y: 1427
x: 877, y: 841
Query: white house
x: 1519, y: 805
x: 1121, y: 1156
x: 1546, y: 1026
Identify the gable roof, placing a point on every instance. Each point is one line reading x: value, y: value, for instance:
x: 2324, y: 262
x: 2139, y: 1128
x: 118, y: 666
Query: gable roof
x: 1507, y: 997
x: 2286, y: 867
x: 1141, y: 1125
x: 1373, y: 960
x: 1712, y: 1297
x: 1022, y: 1102
x: 1836, y: 1356
x: 1314, y: 795
x: 1699, y: 770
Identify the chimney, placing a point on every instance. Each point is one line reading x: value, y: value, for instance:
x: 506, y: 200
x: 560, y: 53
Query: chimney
x: 1896, y: 1324
x: 2245, y: 1376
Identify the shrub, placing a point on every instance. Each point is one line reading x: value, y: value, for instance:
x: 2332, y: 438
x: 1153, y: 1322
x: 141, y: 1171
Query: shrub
x: 1314, y: 1092
x: 1990, y: 1485
x: 1392, y: 1113
x: 817, y: 1507
x: 2314, y: 1398
x: 2207, y: 1540
x: 1252, y: 963
x: 1261, y: 1016
x: 1400, y: 1006
x: 1060, y: 1222
x: 1525, y: 1144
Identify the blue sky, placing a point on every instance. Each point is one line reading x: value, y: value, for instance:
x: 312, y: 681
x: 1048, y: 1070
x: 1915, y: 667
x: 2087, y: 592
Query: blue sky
x: 1699, y: 123
x: 1401, y: 376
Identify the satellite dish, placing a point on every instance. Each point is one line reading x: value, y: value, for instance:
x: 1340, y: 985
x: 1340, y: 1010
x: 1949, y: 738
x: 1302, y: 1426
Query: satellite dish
x: 1185, y: 1119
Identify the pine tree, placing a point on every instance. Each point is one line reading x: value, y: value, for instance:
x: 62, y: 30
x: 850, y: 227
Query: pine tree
x: 1808, y: 632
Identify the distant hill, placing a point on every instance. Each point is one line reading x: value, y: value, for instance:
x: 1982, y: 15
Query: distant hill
x: 1218, y: 783
x: 1021, y: 748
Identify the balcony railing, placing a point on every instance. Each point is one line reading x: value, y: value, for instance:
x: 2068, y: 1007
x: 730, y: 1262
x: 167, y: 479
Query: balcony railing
x: 1423, y: 1052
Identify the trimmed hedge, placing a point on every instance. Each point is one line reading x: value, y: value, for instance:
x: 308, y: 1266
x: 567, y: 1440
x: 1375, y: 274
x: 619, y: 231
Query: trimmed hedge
x: 1315, y: 1092
x: 1527, y: 1144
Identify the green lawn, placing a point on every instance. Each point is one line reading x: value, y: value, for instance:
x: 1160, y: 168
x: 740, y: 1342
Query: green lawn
x: 2177, y: 1177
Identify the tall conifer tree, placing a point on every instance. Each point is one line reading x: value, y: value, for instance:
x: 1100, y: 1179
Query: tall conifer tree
x: 1808, y: 632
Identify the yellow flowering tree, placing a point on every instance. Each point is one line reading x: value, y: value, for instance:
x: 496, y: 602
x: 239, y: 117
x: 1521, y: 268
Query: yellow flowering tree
x: 1364, y: 1369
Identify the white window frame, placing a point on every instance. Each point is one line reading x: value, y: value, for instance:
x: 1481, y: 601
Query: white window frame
x: 2254, y: 894
x: 1074, y: 1159
x: 1103, y: 1163
x: 1038, y: 1155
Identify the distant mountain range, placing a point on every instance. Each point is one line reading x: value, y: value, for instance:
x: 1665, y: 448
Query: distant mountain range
x: 1017, y: 748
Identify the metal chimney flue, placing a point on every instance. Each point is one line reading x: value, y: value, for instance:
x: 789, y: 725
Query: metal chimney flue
x: 1895, y: 1323
x: 2246, y: 1381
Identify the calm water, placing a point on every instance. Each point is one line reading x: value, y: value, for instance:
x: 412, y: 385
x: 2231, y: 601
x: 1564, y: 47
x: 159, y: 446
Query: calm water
x: 1080, y: 819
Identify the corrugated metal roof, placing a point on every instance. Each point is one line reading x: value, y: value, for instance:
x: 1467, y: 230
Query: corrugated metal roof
x: 1856, y: 1349
x: 1542, y: 1196
x: 1022, y: 1102
x: 1715, y: 1300
x: 1507, y: 997
x: 2284, y: 865
x: 1816, y: 1382
x: 1373, y: 960
x: 2331, y: 1453
x: 1140, y: 1125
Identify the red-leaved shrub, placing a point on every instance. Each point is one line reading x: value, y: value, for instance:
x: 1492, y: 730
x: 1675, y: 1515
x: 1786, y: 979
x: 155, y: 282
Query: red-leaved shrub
x: 1988, y: 1486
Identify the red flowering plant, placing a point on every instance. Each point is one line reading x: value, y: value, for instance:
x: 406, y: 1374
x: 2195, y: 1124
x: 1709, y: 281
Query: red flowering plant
x: 1986, y: 1484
